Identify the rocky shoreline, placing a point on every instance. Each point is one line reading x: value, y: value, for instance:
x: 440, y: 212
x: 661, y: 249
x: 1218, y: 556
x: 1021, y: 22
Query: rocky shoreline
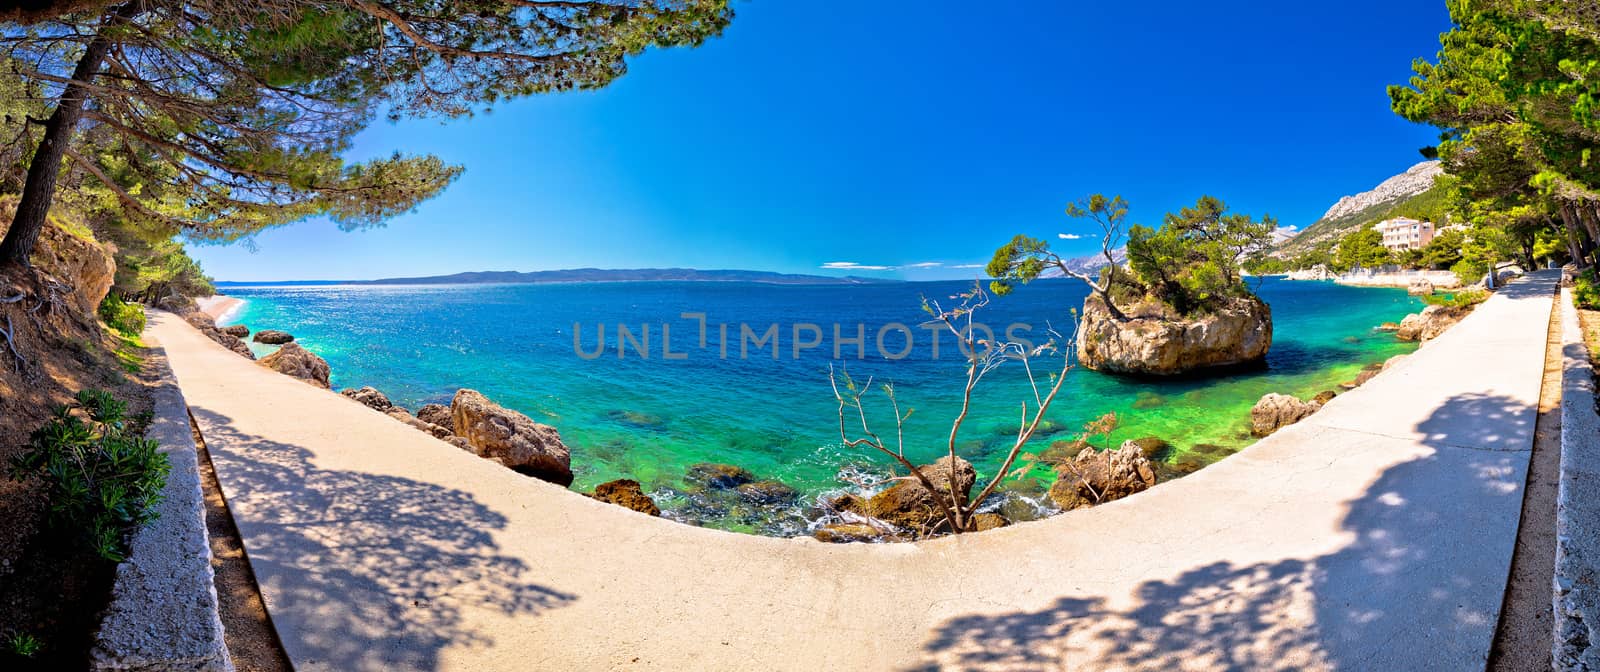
x: 880, y: 506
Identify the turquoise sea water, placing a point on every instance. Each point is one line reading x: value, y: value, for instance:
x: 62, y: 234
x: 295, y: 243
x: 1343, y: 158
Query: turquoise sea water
x: 648, y: 418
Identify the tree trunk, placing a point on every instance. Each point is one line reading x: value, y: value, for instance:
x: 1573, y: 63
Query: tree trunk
x: 39, y: 191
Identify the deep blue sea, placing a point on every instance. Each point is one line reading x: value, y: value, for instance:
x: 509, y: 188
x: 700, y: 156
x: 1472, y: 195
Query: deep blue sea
x: 769, y: 408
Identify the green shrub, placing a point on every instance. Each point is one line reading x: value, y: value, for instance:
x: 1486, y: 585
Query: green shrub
x: 127, y: 318
x: 1586, y: 290
x: 102, y: 477
x: 1461, y: 299
x: 24, y: 645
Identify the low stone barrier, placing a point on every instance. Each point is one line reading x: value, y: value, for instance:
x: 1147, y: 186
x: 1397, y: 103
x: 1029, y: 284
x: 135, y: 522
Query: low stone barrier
x: 1577, y: 581
x: 163, y: 611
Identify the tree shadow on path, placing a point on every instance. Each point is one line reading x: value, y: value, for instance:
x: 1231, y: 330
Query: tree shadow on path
x: 1418, y: 588
x: 365, y: 571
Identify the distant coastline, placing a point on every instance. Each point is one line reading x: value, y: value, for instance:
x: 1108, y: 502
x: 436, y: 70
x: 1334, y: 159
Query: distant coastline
x: 593, y: 275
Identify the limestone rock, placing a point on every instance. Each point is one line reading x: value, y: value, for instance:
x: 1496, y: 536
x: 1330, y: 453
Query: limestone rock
x: 205, y: 325
x: 438, y: 414
x: 768, y: 493
x: 1276, y: 411
x: 293, y: 360
x: 1153, y: 448
x: 235, y: 330
x: 627, y: 494
x: 1324, y: 397
x: 718, y: 476
x: 1420, y: 287
x: 428, y: 428
x: 370, y: 397
x: 909, y: 505
x: 273, y: 337
x: 1157, y: 345
x: 989, y: 521
x: 844, y: 533
x: 1095, y: 478
x: 1432, y: 321
x: 511, y: 438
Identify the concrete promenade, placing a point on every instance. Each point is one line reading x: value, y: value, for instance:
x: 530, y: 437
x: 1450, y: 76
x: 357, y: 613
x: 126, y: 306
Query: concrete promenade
x: 1375, y: 535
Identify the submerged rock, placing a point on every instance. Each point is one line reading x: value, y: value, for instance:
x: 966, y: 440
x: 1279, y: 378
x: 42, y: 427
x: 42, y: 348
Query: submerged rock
x: 1095, y: 477
x: 369, y: 397
x: 235, y: 330
x: 293, y: 360
x: 1432, y: 321
x: 1324, y: 397
x: 909, y: 505
x: 627, y: 494
x: 1159, y: 345
x: 511, y: 438
x: 718, y: 476
x: 768, y: 493
x: 273, y: 337
x: 1153, y: 448
x: 438, y: 414
x: 1276, y: 411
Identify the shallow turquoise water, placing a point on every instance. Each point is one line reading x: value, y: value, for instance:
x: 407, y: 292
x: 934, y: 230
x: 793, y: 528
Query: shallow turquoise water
x: 648, y: 418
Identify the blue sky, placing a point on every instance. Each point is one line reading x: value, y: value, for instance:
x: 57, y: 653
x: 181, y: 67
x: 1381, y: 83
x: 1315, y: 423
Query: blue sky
x: 894, y: 135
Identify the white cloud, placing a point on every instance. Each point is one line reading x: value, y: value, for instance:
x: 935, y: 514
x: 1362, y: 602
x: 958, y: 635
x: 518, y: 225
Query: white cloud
x: 853, y: 266
x: 1071, y: 236
x: 926, y: 264
x: 969, y: 266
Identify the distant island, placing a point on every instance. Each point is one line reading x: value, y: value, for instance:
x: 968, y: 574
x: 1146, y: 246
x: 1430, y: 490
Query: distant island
x: 597, y: 275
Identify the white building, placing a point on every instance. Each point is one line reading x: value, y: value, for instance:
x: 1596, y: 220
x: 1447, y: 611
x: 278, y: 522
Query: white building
x: 1404, y: 233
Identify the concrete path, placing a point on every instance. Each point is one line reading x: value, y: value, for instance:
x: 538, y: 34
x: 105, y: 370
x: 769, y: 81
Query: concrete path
x: 1376, y: 535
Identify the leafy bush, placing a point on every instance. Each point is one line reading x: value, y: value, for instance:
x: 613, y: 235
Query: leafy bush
x: 1586, y: 290
x: 1461, y: 299
x: 127, y: 318
x: 102, y: 477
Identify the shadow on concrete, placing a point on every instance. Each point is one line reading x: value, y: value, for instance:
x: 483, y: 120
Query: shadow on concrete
x: 1418, y: 588
x: 365, y: 571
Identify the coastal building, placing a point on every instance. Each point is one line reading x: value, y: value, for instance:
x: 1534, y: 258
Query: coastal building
x: 1405, y: 233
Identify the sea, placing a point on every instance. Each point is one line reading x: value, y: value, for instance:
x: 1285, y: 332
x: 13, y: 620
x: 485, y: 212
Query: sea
x: 645, y: 379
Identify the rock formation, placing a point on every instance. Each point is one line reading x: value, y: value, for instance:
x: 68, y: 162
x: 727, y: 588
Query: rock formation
x: 370, y: 397
x: 1276, y: 411
x: 207, y: 326
x: 293, y: 360
x: 1095, y: 477
x: 627, y: 494
x: 844, y: 533
x: 510, y: 438
x: 768, y: 493
x: 713, y: 476
x: 1420, y: 287
x: 428, y: 428
x: 438, y: 414
x: 909, y: 505
x: 1162, y: 345
x: 1431, y: 322
x: 273, y: 337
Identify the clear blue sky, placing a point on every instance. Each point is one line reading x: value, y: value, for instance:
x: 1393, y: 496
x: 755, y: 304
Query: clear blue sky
x: 894, y: 134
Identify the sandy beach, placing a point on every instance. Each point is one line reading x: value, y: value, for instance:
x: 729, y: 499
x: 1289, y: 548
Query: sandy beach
x: 219, y: 307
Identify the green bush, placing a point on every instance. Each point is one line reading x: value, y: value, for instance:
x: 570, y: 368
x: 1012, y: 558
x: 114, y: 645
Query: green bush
x: 1461, y: 299
x: 127, y: 318
x: 1586, y: 290
x: 102, y: 477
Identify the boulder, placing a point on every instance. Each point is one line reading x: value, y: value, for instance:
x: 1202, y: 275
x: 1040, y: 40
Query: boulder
x: 909, y: 505
x: 273, y: 337
x: 768, y: 493
x: 200, y: 321
x: 1420, y: 287
x: 438, y: 414
x: 293, y: 360
x: 1389, y: 327
x: 1432, y: 321
x: 1324, y: 397
x: 205, y: 325
x: 1237, y: 334
x: 1367, y: 374
x: 1153, y: 448
x: 844, y: 533
x: 370, y: 397
x: 511, y: 438
x: 1276, y: 411
x: 849, y: 503
x: 235, y: 330
x: 627, y: 494
x: 713, y: 476
x: 1095, y: 477
x: 989, y: 521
